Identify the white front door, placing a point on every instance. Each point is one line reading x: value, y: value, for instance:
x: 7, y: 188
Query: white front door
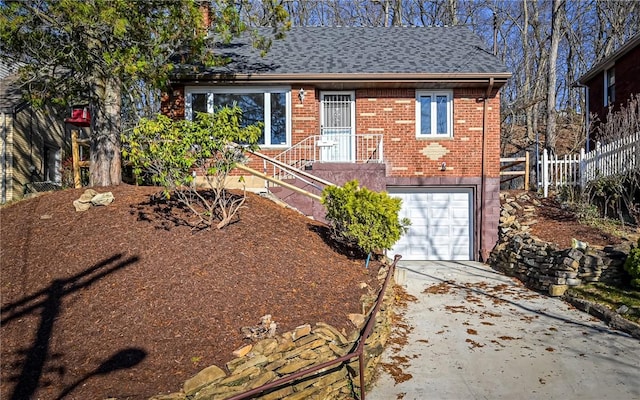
x: 337, y: 116
x: 441, y: 224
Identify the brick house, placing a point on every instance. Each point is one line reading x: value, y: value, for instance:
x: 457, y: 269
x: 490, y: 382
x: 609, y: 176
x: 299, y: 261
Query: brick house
x: 413, y: 111
x: 612, y: 80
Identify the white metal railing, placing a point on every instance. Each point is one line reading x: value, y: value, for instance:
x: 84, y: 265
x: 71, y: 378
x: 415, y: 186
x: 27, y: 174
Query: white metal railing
x: 609, y: 159
x: 334, y: 147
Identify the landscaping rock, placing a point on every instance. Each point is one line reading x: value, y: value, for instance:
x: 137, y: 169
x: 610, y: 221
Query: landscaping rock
x: 203, y: 378
x: 557, y: 290
x: 357, y: 320
x: 242, y: 351
x: 269, y: 359
x: 81, y: 206
x: 92, y: 198
x: 301, y: 331
x: 102, y: 199
x: 87, y: 196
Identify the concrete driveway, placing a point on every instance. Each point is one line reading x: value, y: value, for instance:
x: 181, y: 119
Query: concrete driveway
x: 473, y: 333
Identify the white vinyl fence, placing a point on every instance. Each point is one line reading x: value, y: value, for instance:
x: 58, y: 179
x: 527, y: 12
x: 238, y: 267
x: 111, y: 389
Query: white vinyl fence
x: 613, y: 158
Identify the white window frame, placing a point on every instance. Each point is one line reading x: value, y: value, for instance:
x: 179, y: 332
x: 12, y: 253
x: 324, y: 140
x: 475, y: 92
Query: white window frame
x: 52, y: 159
x: 210, y: 91
x: 607, y: 101
x: 434, y: 121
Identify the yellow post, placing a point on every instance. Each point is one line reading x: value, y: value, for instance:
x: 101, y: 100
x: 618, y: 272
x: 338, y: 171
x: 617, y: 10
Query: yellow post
x: 75, y: 152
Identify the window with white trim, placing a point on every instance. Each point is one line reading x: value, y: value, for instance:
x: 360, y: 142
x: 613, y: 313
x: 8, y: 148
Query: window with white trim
x: 52, y: 161
x: 434, y: 113
x: 609, y: 86
x: 271, y: 106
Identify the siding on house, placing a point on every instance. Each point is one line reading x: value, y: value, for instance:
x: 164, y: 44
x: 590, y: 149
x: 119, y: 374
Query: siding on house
x: 28, y: 133
x: 6, y: 166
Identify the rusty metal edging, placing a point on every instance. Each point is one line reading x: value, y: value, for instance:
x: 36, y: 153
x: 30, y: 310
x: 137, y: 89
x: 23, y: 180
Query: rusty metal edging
x: 359, y: 351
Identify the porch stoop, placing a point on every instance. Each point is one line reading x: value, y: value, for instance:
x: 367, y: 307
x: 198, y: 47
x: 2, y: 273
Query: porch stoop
x: 370, y: 175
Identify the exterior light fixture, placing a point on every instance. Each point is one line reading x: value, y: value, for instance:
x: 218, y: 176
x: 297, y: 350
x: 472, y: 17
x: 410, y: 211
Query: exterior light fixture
x: 301, y: 94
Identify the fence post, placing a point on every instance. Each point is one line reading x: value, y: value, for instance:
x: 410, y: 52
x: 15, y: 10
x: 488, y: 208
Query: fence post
x: 526, y: 170
x: 582, y: 179
x: 598, y: 169
x: 545, y: 173
x: 75, y: 154
x: 636, y: 155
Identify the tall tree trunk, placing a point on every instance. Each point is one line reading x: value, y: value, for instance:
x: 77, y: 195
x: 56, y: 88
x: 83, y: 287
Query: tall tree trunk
x: 452, y: 9
x: 527, y: 70
x: 556, y: 18
x: 105, y: 166
x: 397, y: 13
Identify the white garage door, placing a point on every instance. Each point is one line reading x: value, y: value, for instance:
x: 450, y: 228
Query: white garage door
x: 441, y: 224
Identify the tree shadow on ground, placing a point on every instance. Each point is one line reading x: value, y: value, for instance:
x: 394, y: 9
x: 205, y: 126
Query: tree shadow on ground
x: 127, y: 358
x: 167, y: 212
x: 48, y: 303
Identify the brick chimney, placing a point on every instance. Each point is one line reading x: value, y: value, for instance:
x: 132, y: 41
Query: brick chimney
x: 205, y: 10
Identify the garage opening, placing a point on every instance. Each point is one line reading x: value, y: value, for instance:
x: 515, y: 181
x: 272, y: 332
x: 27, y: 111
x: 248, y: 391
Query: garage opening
x: 441, y: 223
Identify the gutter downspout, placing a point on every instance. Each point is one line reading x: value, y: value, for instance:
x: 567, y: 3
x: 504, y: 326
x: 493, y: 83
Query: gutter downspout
x: 484, y: 168
x: 587, y: 122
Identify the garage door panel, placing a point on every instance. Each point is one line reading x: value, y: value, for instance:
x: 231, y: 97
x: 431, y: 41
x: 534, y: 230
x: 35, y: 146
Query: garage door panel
x: 438, y: 211
x: 460, y: 231
x: 439, y: 203
x: 460, y: 209
x: 418, y: 240
x: 440, y: 224
x: 460, y: 196
x: 416, y: 199
x: 418, y: 214
x: 443, y: 197
x: 459, y: 220
x: 440, y: 231
x: 441, y: 253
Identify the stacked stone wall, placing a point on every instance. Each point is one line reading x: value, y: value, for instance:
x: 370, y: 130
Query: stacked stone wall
x: 276, y: 357
x: 542, y: 265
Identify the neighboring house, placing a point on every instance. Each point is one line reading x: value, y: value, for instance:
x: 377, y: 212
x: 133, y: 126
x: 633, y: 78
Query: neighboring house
x: 612, y: 80
x: 33, y: 142
x: 413, y: 111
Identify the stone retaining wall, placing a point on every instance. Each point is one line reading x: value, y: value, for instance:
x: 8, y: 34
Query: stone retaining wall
x: 273, y: 358
x: 541, y: 265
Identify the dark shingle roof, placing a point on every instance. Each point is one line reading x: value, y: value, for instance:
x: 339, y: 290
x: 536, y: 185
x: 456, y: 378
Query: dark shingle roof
x: 10, y: 94
x: 364, y: 50
x: 604, y: 62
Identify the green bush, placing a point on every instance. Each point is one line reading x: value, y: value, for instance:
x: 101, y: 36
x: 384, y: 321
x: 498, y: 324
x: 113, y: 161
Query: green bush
x: 632, y: 265
x: 170, y: 153
x: 364, y: 218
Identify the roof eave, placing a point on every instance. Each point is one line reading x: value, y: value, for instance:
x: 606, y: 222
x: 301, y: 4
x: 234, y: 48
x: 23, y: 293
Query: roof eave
x: 499, y: 78
x: 599, y: 67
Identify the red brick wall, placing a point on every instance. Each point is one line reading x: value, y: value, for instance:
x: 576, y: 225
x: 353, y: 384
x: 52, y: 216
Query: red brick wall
x: 627, y: 70
x: 391, y: 112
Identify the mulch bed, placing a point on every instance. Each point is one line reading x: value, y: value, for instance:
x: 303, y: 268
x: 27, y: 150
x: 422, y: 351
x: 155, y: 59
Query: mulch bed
x: 124, y: 301
x: 558, y: 224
